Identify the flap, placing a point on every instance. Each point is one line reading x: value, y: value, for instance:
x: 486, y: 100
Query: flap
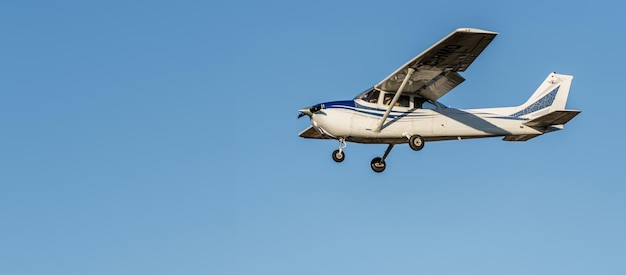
x: 441, y: 86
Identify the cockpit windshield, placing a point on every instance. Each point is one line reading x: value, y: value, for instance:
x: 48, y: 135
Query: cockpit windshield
x: 365, y: 93
x: 370, y: 95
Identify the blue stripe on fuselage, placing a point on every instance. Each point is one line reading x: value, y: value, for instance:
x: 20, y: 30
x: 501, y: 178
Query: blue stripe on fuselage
x: 351, y: 105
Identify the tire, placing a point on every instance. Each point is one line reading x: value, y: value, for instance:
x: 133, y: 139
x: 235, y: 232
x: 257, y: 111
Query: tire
x: 338, y: 156
x: 378, y: 165
x: 416, y: 143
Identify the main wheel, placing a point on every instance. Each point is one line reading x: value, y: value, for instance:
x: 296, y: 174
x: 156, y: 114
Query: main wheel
x: 338, y: 156
x: 416, y: 142
x: 378, y: 165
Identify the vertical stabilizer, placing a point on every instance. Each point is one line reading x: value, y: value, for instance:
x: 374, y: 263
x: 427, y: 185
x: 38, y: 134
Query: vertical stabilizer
x: 549, y: 97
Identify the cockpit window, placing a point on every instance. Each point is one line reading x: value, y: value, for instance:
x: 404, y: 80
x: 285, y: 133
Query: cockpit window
x: 429, y: 105
x: 423, y: 103
x: 364, y: 94
x: 403, y: 101
x: 373, y: 97
x: 370, y: 95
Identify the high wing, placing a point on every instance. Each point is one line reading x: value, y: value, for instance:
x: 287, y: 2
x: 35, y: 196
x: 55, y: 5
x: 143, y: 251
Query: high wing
x: 433, y: 73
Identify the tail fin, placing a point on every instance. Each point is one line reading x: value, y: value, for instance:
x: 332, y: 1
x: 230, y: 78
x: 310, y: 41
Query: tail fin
x: 549, y: 97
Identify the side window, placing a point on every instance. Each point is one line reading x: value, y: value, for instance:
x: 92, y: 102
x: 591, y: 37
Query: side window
x: 387, y: 99
x: 403, y: 101
x: 429, y: 105
x: 422, y: 103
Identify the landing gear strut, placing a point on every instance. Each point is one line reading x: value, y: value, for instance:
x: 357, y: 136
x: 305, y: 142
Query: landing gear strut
x: 338, y: 155
x: 378, y: 164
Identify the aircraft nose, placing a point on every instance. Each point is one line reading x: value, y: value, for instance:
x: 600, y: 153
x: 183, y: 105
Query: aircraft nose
x: 310, y: 110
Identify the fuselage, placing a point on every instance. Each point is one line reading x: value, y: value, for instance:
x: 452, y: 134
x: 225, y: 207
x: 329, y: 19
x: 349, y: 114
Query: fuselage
x: 357, y: 121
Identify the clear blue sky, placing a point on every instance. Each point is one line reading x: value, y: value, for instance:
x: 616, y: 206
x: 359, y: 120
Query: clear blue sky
x: 159, y: 137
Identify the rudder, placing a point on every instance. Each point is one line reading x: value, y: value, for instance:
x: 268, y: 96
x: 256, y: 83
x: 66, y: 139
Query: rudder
x: 549, y: 97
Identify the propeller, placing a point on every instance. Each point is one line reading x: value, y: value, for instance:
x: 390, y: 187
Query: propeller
x: 310, y: 111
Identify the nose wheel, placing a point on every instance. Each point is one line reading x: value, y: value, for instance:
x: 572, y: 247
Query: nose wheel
x: 339, y: 155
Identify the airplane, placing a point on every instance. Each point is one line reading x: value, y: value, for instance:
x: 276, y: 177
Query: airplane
x: 404, y: 107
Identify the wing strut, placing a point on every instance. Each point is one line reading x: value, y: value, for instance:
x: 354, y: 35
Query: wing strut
x: 395, y: 98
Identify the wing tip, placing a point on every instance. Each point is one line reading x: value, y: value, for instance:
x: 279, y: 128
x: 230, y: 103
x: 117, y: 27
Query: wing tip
x: 475, y: 30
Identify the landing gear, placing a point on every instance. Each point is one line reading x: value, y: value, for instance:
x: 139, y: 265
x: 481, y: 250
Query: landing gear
x: 378, y: 164
x: 338, y: 155
x: 416, y: 142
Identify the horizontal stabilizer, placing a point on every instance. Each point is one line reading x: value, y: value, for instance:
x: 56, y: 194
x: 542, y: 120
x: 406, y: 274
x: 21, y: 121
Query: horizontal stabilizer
x: 553, y: 118
x: 311, y: 133
x: 519, y: 137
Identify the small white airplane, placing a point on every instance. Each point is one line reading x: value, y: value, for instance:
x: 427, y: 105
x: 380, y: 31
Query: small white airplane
x: 403, y: 107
